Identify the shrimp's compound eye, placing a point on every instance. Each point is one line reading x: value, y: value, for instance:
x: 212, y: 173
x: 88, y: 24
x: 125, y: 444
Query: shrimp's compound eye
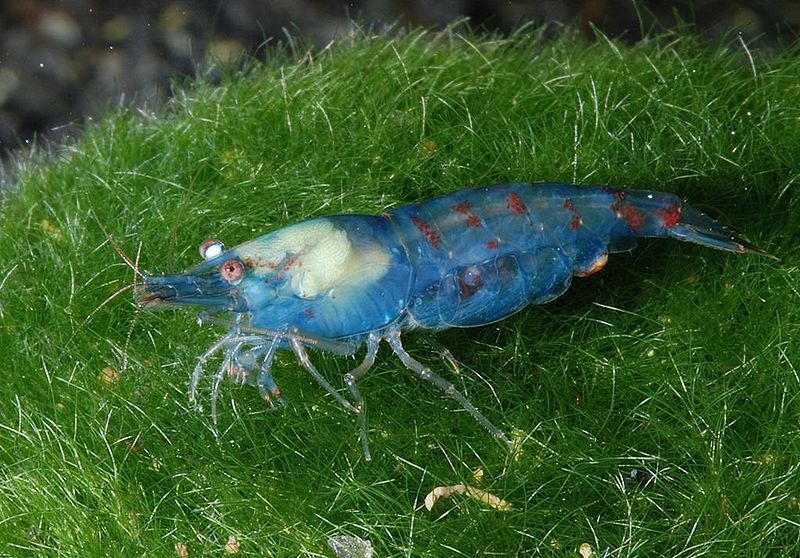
x: 232, y: 271
x: 211, y: 248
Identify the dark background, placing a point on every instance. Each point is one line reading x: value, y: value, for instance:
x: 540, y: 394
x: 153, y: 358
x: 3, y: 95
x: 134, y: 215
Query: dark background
x: 63, y: 61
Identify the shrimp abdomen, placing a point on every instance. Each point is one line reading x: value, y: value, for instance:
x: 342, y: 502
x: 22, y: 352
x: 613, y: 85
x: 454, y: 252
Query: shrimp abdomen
x: 481, y: 255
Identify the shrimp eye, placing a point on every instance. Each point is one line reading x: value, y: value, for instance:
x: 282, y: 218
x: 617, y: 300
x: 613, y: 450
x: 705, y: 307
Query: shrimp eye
x: 232, y: 271
x: 211, y: 248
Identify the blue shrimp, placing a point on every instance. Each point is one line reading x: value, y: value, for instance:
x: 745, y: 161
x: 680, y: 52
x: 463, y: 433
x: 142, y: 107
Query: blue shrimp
x: 464, y: 259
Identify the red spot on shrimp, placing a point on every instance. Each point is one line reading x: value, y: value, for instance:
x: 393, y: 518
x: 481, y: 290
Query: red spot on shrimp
x: 670, y: 216
x: 463, y: 207
x: 516, y: 205
x: 491, y: 245
x: 271, y: 264
x: 432, y: 236
x: 289, y: 263
x: 575, y: 223
x: 309, y: 313
x: 473, y: 221
x: 569, y: 205
x: 632, y: 217
x: 620, y: 194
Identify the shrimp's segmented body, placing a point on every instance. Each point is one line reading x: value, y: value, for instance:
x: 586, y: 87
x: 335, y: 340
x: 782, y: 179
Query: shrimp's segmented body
x: 465, y: 259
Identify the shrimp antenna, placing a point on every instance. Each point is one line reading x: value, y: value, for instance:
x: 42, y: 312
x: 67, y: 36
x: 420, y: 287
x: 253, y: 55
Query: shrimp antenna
x: 136, y: 314
x: 134, y: 265
x: 111, y: 297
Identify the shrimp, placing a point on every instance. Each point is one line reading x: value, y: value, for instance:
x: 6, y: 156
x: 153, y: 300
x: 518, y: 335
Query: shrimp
x: 464, y: 259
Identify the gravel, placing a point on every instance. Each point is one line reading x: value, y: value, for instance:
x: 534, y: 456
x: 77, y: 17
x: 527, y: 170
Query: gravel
x: 65, y: 62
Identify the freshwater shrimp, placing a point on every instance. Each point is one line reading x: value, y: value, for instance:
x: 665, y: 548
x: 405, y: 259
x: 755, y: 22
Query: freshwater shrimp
x: 468, y: 258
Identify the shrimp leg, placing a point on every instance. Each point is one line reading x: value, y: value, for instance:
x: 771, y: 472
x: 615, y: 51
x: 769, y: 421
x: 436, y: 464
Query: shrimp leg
x: 302, y: 356
x: 230, y: 338
x: 266, y: 384
x: 393, y: 338
x: 350, y: 381
x: 245, y: 365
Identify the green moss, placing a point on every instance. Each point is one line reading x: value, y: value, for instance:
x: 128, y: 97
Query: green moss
x: 659, y: 400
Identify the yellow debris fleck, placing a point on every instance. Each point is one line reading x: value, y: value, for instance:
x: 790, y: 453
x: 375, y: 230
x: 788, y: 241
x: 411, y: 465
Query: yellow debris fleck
x: 110, y: 376
x: 428, y: 146
x: 232, y: 546
x: 477, y: 494
x: 51, y: 230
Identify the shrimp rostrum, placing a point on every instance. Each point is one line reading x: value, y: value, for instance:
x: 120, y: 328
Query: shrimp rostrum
x: 465, y: 259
